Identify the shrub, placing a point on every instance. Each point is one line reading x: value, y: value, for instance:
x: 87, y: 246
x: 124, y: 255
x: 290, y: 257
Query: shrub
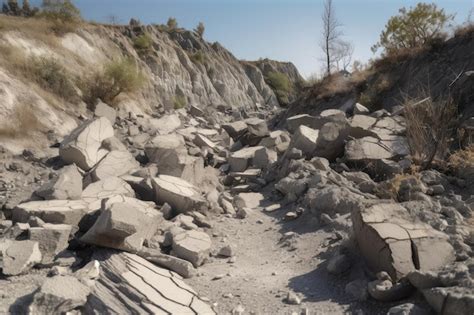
x: 116, y: 77
x: 21, y: 123
x: 52, y: 76
x: 64, y: 15
x: 413, y: 28
x: 198, y: 57
x: 429, y: 125
x: 179, y: 101
x: 281, y: 86
x: 200, y: 28
x: 143, y: 43
x: 462, y: 162
x: 172, y: 23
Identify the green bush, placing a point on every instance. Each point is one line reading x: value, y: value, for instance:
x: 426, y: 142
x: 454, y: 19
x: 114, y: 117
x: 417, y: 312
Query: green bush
x: 198, y: 57
x: 279, y: 82
x: 62, y: 10
x: 116, y: 77
x: 172, y: 24
x: 143, y: 43
x: 52, y: 76
x: 179, y: 101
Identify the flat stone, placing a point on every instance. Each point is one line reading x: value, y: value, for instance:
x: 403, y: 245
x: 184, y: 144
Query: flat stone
x: 52, y: 211
x: 115, y: 164
x: 106, y: 188
x: 360, y: 109
x: 52, y: 239
x: 104, y: 110
x: 166, y: 124
x: 248, y: 200
x: 370, y: 148
x: 240, y: 160
x: 182, y: 267
x: 83, y: 145
x: 68, y: 185
x: 235, y: 129
x: 305, y: 139
x: 20, y: 256
x: 193, y: 246
x: 178, y: 193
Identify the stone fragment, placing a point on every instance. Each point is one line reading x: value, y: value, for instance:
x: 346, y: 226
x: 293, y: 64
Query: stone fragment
x: 182, y: 267
x: 360, y: 109
x: 193, y: 246
x: 115, y: 164
x: 339, y: 264
x: 248, y: 200
x: 83, y: 145
x: 226, y: 251
x: 385, y: 291
x: 454, y: 300
x: 124, y: 223
x: 257, y: 129
x: 113, y: 144
x: 52, y: 211
x: 178, y: 193
x: 235, y: 129
x: 305, y: 139
x: 203, y: 142
x: 293, y: 298
x: 68, y: 185
x: 240, y: 160
x: 166, y: 124
x: 370, y: 148
x: 59, y: 295
x: 407, y: 309
x: 264, y: 158
x: 331, y: 139
x: 357, y: 289
x: 20, y: 256
x: 52, y: 239
x: 108, y: 187
x: 104, y: 110
x: 294, y: 122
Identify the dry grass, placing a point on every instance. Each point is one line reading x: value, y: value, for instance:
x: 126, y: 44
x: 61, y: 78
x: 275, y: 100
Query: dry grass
x: 335, y: 84
x: 462, y: 159
x: 391, y: 187
x: 21, y: 123
x: 430, y: 125
x: 32, y: 28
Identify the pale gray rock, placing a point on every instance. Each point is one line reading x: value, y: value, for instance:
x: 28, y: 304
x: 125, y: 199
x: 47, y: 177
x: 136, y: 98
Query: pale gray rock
x: 386, y: 291
x: 83, y: 145
x: 106, y: 188
x: 166, y: 124
x: 52, y: 239
x: 407, y: 309
x: 104, y: 110
x: 264, y: 158
x: 331, y: 139
x: 248, y: 200
x: 193, y: 246
x: 52, y: 211
x: 115, y: 164
x: 240, y: 160
x: 370, y: 148
x: 358, y: 289
x: 68, y: 185
x: 236, y: 129
x: 360, y: 109
x: 182, y: 267
x: 113, y: 144
x: 19, y: 257
x: 450, y: 301
x: 305, y: 139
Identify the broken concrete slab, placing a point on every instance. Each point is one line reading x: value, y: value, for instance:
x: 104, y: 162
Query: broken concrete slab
x: 52, y: 239
x: 52, y: 211
x: 193, y: 246
x: 68, y: 185
x: 391, y: 241
x: 115, y: 164
x: 178, y: 193
x: 132, y: 282
x: 124, y: 223
x: 83, y: 145
x: 240, y: 160
x: 20, y: 256
x: 59, y: 295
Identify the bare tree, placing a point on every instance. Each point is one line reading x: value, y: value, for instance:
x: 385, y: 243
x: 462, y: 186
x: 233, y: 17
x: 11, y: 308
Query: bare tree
x: 342, y: 54
x: 331, y: 33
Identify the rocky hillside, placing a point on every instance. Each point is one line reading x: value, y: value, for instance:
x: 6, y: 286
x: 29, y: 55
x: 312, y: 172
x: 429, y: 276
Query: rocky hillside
x: 179, y: 67
x: 440, y: 71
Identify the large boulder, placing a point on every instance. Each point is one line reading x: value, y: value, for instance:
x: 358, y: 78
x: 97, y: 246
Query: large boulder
x: 116, y: 163
x: 370, y: 148
x: 52, y: 239
x: 68, y: 185
x: 132, y: 283
x: 52, y: 211
x: 178, y: 193
x: 331, y: 139
x: 240, y: 160
x: 193, y: 246
x: 19, y: 257
x: 165, y: 124
x: 104, y: 110
x: 106, y: 188
x: 59, y: 295
x: 305, y: 139
x: 124, y: 223
x: 390, y: 240
x: 83, y: 145
x: 236, y: 129
x: 257, y: 129
x: 332, y: 200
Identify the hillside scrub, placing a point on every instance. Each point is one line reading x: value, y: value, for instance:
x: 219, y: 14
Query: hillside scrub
x: 143, y: 43
x: 281, y: 85
x: 179, y: 101
x: 21, y: 123
x: 116, y: 77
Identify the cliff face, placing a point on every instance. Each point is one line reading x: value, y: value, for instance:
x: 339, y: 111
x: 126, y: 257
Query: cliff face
x: 178, y: 64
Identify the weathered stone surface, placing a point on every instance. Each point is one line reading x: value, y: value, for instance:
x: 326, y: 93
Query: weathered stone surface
x: 52, y: 239
x: 248, y: 200
x: 105, y: 188
x: 360, y: 109
x: 124, y: 223
x: 331, y: 139
x: 292, y: 123
x: 451, y: 300
x: 240, y: 160
x: 83, y: 145
x: 19, y: 257
x: 59, y: 295
x: 407, y: 309
x: 370, y: 148
x: 68, y: 185
x: 115, y: 164
x: 257, y: 129
x: 166, y: 124
x: 289, y: 185
x: 332, y: 200
x: 104, y: 110
x: 305, y: 140
x: 129, y: 282
x: 52, y: 211
x: 178, y: 193
x: 113, y: 144
x: 390, y: 241
x: 182, y: 267
x: 264, y: 158
x: 386, y: 291
x: 193, y: 246
x: 235, y: 129
x: 203, y: 142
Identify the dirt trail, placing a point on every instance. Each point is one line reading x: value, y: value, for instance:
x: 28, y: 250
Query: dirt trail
x: 266, y: 268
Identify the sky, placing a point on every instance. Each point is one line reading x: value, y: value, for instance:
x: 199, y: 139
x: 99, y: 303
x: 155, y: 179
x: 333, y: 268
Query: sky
x: 285, y: 30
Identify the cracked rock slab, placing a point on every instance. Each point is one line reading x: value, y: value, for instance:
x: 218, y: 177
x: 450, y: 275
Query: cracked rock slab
x: 391, y: 241
x: 178, y: 193
x: 115, y: 164
x: 193, y: 246
x: 129, y: 283
x: 83, y: 145
x: 106, y: 188
x: 52, y: 211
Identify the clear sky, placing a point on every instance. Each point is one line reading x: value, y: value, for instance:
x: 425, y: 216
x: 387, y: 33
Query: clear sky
x: 286, y: 30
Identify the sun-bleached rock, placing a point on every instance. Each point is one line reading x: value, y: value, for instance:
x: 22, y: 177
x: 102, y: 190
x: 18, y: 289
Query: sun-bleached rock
x: 370, y: 148
x: 248, y: 200
x: 235, y: 129
x: 123, y: 223
x: 115, y: 164
x: 52, y: 239
x: 68, y: 185
x: 391, y: 241
x: 105, y: 188
x: 294, y: 122
x: 240, y: 160
x: 331, y: 139
x: 178, y: 193
x: 305, y: 139
x: 203, y: 142
x: 166, y: 124
x: 20, y: 256
x: 193, y: 246
x: 52, y: 211
x: 360, y: 109
x: 83, y: 145
x: 131, y: 282
x: 104, y: 110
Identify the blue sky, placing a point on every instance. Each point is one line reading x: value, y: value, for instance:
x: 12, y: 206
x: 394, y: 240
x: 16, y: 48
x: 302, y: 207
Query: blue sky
x: 287, y: 30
